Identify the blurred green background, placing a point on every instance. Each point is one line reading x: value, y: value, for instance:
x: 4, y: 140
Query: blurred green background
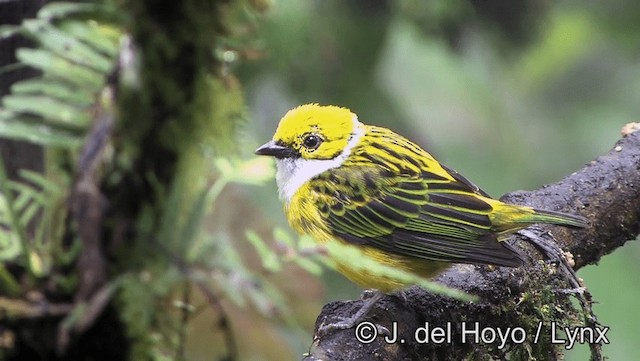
x: 512, y: 94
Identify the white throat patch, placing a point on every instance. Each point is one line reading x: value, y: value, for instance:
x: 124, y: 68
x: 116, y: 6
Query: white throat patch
x: 293, y: 173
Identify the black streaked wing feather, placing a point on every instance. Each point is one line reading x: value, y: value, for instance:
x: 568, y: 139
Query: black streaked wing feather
x: 413, y: 216
x: 464, y: 181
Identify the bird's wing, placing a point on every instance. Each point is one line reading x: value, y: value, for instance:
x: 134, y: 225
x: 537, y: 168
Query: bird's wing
x: 423, y: 216
x: 464, y: 181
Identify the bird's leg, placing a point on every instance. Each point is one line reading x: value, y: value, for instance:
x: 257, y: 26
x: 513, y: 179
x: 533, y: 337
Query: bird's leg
x: 349, y: 322
x: 555, y: 254
x: 552, y: 251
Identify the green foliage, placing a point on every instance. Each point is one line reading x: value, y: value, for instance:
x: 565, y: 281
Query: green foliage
x: 31, y: 200
x: 216, y: 251
x: 20, y: 203
x: 206, y: 261
x: 303, y: 252
x: 76, y: 52
x: 74, y: 56
x: 77, y: 46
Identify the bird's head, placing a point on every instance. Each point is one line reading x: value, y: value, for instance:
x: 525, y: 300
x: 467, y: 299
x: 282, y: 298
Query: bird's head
x: 311, y: 139
x: 312, y: 131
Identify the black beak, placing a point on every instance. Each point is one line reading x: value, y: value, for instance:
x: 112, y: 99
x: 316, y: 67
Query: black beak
x: 275, y: 150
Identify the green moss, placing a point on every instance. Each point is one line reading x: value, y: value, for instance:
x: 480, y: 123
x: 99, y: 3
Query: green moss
x: 547, y: 305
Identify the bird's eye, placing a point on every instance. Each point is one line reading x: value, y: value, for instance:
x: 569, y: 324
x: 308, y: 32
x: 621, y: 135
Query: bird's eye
x: 311, y: 141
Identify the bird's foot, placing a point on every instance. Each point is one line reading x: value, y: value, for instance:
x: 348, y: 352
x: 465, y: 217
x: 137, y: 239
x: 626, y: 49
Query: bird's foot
x: 367, y: 294
x: 372, y: 296
x: 347, y: 323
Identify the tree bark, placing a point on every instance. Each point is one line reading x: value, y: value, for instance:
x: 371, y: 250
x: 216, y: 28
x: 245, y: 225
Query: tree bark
x: 535, y: 299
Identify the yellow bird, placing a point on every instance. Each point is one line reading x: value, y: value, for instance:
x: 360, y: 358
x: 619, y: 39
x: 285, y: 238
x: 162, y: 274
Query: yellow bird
x: 371, y: 188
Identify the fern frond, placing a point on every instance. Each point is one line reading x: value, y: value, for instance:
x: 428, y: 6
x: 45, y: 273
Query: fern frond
x: 74, y: 56
x: 20, y: 202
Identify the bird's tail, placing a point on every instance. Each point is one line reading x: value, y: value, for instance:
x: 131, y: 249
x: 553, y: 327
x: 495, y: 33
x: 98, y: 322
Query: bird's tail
x: 508, y: 218
x: 558, y: 218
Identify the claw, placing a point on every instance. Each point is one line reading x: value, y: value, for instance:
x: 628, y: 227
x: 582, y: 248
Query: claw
x: 572, y: 291
x: 383, y: 330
